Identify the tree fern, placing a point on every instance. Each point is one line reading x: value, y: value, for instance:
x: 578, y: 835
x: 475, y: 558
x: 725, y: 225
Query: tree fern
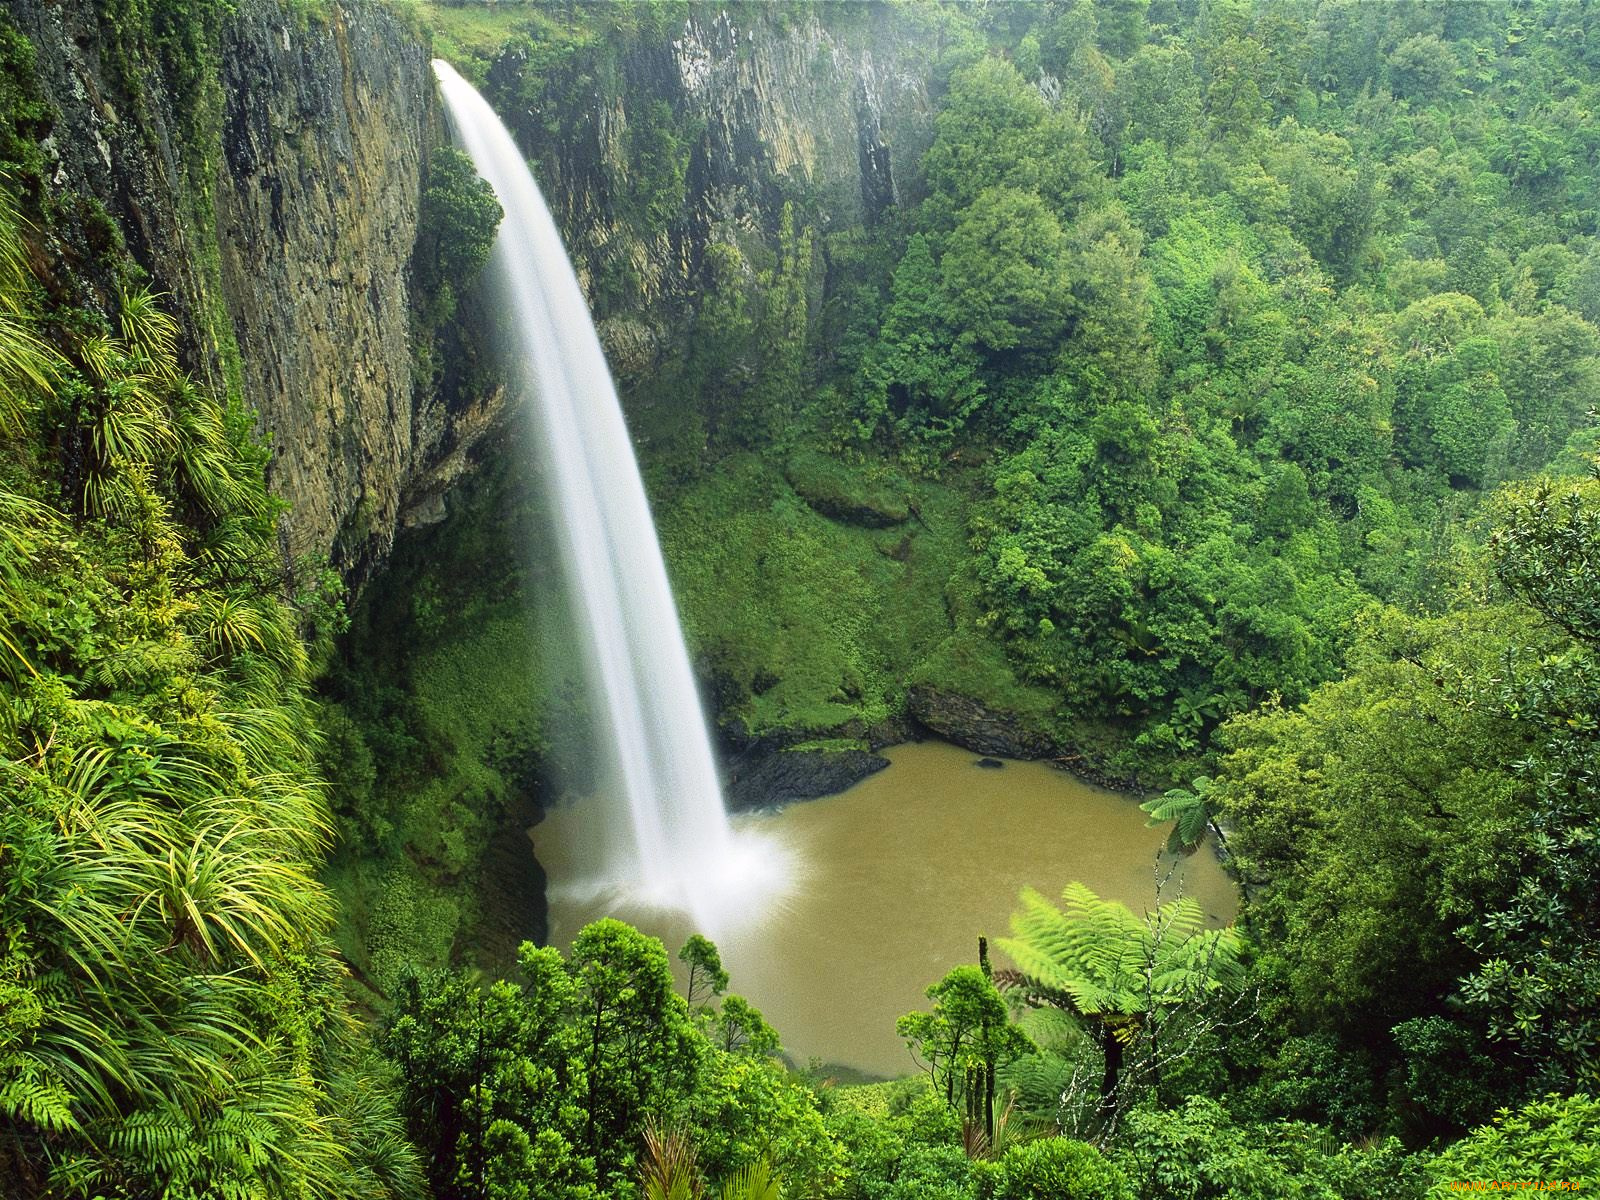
x: 1190, y: 810
x: 1117, y: 971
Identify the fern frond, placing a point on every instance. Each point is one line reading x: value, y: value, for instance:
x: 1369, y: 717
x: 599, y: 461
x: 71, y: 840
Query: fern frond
x: 33, y: 1096
x: 754, y: 1181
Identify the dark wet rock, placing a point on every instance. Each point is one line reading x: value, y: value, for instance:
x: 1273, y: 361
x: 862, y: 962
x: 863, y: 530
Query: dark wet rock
x: 891, y: 732
x: 991, y: 764
x: 975, y: 726
x: 295, y: 247
x: 756, y: 780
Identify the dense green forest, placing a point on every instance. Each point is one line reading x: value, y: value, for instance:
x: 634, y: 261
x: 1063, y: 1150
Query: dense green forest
x: 1217, y: 403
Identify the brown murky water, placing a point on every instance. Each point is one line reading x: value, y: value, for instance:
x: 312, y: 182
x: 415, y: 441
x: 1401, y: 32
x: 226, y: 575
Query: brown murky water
x: 899, y: 877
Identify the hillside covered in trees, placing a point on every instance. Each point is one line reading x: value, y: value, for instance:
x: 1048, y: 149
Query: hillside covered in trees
x: 1208, y: 403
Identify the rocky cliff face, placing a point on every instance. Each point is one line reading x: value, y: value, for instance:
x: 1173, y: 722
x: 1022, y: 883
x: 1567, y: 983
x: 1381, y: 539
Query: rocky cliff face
x: 323, y: 138
x: 275, y: 200
x: 119, y: 145
x: 763, y: 109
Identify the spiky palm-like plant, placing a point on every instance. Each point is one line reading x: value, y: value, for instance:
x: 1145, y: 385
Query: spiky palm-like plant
x: 149, y: 332
x: 204, y: 469
x: 171, y: 1017
x: 754, y: 1181
x: 668, y: 1170
x: 25, y: 361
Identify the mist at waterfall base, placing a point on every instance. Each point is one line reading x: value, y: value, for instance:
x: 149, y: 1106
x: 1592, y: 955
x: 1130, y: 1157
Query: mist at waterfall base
x: 660, y: 836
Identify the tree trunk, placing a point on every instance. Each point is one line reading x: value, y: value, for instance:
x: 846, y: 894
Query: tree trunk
x: 1112, y: 1045
x: 988, y: 1101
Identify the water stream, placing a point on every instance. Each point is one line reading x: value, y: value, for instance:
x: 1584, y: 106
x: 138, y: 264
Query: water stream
x: 664, y: 840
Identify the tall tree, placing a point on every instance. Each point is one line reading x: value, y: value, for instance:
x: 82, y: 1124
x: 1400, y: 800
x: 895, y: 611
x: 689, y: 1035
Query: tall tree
x: 1539, y: 981
x: 964, y: 1040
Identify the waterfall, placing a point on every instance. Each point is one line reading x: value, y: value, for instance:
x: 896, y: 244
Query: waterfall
x: 660, y: 789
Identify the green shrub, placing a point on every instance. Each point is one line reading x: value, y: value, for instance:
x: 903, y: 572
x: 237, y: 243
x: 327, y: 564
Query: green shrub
x: 1554, y: 1139
x: 458, y: 221
x: 1200, y: 1152
x: 931, y: 1173
x: 1060, y: 1169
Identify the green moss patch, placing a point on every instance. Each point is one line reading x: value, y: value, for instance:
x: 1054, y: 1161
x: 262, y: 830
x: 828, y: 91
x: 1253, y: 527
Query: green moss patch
x: 806, y: 625
x: 870, y: 496
x: 968, y: 665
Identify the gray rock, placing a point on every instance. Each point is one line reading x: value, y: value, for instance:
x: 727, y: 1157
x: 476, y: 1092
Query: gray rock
x: 771, y: 777
x: 325, y: 129
x: 973, y: 725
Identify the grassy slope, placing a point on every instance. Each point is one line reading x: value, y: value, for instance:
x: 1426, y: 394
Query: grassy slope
x: 815, y: 627
x: 471, y: 34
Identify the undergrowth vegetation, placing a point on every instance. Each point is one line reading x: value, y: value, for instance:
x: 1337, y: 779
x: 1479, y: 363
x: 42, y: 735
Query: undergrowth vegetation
x: 173, y: 1018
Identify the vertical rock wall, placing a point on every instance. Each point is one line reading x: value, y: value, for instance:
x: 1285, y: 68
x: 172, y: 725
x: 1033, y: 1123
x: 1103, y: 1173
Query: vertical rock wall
x: 280, y: 221
x: 780, y: 107
x: 323, y: 135
x: 122, y: 149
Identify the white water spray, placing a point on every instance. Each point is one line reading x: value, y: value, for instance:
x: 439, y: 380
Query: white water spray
x: 678, y: 852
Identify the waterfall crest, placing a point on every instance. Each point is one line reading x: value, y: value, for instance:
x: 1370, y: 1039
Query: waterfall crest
x: 660, y: 788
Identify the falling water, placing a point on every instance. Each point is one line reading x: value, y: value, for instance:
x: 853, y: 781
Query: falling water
x: 677, y: 851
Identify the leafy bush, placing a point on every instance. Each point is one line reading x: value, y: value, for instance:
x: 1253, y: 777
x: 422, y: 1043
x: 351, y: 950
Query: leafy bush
x: 1199, y: 1152
x: 1554, y: 1139
x: 1060, y: 1169
x: 456, y: 231
x: 930, y: 1173
x: 173, y: 1017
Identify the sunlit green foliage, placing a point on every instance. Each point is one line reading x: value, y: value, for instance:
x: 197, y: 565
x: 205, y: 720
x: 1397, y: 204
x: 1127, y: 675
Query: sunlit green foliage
x: 1059, y: 1169
x: 1201, y: 1152
x: 1539, y: 964
x: 1450, y: 776
x: 556, y: 1080
x: 173, y: 1015
x: 1387, y: 792
x: 456, y: 230
x: 1189, y: 810
x: 1125, y: 977
x: 1170, y: 392
x: 1224, y: 347
x: 1555, y: 1140
x: 964, y: 1041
